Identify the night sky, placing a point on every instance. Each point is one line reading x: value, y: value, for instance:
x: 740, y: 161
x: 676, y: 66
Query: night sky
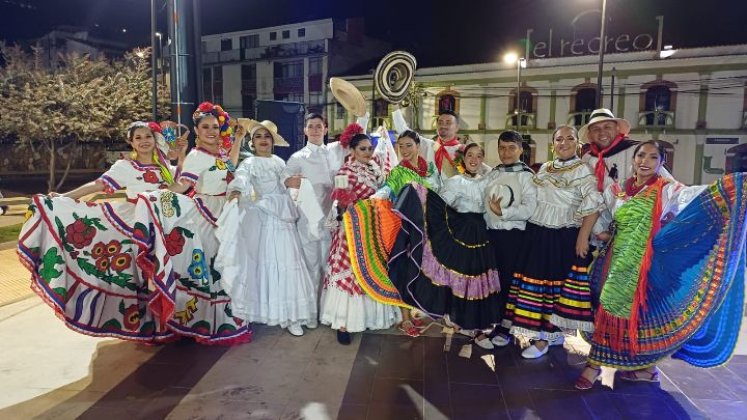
x: 436, y: 32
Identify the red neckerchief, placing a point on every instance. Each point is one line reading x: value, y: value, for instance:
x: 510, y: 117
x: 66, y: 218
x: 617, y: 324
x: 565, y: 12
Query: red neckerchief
x: 631, y: 189
x: 422, y: 168
x: 600, y: 170
x: 442, y: 153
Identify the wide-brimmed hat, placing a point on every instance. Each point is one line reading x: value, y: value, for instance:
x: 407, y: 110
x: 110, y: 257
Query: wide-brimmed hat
x: 251, y: 126
x: 348, y: 96
x: 599, y: 115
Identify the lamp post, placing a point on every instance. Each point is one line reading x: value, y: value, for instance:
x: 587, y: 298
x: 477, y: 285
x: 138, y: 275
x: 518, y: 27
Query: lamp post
x: 154, y: 99
x: 160, y: 58
x: 511, y: 58
x: 602, y: 44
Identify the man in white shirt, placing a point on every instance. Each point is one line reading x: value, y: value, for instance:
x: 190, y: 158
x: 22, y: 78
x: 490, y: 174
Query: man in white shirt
x: 506, y: 218
x: 443, y: 149
x: 610, y: 157
x: 313, y: 163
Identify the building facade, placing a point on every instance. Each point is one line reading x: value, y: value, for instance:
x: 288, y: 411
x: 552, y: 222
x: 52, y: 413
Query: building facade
x: 287, y: 63
x: 695, y: 100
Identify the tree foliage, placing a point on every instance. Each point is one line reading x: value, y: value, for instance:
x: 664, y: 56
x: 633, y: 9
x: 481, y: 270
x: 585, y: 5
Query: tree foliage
x: 81, y: 99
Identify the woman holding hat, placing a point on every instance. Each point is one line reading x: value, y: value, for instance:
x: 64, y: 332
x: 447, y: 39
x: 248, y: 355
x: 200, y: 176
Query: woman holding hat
x: 550, y: 289
x: 83, y: 256
x: 344, y: 304
x: 264, y: 269
x: 671, y: 281
x: 201, y: 307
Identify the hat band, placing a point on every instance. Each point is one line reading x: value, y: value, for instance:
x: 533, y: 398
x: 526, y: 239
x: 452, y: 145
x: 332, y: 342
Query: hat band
x: 601, y: 114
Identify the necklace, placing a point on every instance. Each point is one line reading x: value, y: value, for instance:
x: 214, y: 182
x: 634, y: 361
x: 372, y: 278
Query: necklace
x: 422, y: 168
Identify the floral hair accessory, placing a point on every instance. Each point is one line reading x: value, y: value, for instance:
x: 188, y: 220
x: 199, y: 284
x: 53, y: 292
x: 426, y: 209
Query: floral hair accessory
x: 226, y: 129
x: 350, y: 131
x: 154, y: 127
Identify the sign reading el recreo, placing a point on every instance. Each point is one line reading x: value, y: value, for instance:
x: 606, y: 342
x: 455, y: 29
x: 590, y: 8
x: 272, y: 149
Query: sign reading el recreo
x: 554, y: 45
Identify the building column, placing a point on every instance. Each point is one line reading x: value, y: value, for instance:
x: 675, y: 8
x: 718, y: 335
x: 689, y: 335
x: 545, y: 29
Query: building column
x: 620, y: 98
x: 703, y: 101
x: 483, y: 111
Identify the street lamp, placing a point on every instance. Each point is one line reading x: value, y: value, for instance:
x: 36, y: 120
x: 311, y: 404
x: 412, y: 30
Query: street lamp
x: 602, y: 44
x: 154, y: 100
x: 160, y: 57
x: 521, y: 62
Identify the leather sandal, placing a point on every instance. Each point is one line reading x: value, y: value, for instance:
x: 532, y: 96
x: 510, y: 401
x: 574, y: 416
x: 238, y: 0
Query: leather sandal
x: 583, y: 383
x: 641, y: 375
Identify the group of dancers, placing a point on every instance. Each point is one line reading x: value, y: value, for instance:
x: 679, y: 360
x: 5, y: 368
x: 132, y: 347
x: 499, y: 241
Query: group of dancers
x: 356, y: 236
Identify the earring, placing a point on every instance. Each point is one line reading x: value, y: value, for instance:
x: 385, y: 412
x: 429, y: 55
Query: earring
x: 133, y: 155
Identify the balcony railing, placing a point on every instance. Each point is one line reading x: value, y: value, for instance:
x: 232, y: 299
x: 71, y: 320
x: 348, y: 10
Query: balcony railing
x: 293, y: 49
x: 577, y: 119
x: 528, y: 120
x: 288, y: 84
x: 656, y: 118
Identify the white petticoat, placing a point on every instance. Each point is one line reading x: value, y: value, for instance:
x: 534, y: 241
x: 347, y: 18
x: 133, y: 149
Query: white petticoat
x: 356, y: 313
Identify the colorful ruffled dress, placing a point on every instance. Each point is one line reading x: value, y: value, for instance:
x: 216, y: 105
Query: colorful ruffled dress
x: 550, y: 289
x: 442, y: 260
x: 372, y: 228
x: 82, y: 257
x: 671, y: 282
x: 181, y: 233
x: 344, y: 303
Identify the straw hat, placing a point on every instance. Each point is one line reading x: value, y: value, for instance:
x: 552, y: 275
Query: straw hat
x: 251, y: 126
x: 599, y: 115
x: 348, y: 96
x: 508, y: 190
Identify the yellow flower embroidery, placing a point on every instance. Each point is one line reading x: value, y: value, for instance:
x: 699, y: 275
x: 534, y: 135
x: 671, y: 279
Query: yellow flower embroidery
x: 220, y: 164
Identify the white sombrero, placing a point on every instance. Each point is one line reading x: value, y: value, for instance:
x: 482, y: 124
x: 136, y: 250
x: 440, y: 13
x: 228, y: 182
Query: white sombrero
x: 599, y: 115
x: 506, y: 188
x: 348, y: 96
x: 252, y: 125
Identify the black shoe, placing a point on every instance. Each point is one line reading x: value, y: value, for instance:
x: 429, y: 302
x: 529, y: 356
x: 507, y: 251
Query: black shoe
x: 343, y: 337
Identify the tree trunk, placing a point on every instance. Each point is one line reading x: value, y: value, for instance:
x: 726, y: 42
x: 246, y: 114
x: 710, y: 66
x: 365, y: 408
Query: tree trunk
x: 73, y: 145
x: 52, y: 177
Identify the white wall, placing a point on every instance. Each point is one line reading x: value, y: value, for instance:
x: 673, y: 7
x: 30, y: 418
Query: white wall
x: 232, y: 87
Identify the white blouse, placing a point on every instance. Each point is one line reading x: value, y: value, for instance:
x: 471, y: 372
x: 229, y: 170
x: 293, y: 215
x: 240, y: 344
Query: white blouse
x: 464, y: 194
x: 566, y: 193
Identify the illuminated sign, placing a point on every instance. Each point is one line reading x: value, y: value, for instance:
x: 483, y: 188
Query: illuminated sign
x: 555, y: 46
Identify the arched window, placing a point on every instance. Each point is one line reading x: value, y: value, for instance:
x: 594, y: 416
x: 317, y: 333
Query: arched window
x: 657, y: 104
x: 583, y: 102
x: 447, y: 100
x: 527, y: 106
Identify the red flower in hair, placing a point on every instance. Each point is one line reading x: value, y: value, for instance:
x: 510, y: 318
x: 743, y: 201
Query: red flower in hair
x: 350, y: 131
x: 205, y: 107
x: 154, y: 127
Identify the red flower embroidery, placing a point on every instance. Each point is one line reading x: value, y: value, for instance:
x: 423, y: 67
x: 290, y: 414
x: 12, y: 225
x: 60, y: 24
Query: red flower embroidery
x: 98, y: 250
x: 79, y: 235
x: 113, y: 248
x: 229, y: 177
x: 174, y: 242
x: 102, y: 264
x: 121, y: 262
x: 132, y: 318
x: 151, y: 177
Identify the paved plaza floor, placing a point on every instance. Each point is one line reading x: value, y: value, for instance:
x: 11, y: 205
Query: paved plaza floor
x: 48, y: 371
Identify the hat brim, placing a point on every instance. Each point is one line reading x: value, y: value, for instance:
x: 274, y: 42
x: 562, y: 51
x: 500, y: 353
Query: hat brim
x: 348, y: 96
x: 251, y: 125
x: 623, y: 125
